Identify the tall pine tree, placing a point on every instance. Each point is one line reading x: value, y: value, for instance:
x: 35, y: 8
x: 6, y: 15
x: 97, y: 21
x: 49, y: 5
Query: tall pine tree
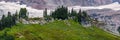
x: 45, y: 13
x: 23, y: 13
x: 60, y: 13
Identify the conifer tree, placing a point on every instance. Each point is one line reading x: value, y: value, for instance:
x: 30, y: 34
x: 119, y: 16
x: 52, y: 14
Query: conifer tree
x: 60, y: 13
x: 73, y: 13
x: 2, y: 22
x: 45, y: 13
x: 23, y: 13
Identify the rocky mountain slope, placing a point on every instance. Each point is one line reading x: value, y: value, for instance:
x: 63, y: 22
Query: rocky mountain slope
x: 109, y: 14
x: 40, y: 4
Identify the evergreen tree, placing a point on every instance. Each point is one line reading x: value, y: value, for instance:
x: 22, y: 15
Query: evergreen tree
x: 45, y: 13
x: 118, y: 29
x: 3, y: 18
x: 0, y: 25
x: 9, y: 20
x: 60, y: 13
x: 2, y: 22
x: 14, y: 19
x: 83, y: 17
x: 16, y: 16
x: 79, y: 16
x: 23, y: 13
x: 73, y: 13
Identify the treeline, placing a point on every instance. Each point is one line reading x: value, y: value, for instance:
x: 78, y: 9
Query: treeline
x: 11, y: 19
x: 8, y: 21
x: 62, y: 13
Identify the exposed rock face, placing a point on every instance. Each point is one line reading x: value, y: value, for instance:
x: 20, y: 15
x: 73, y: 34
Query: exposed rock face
x: 110, y: 17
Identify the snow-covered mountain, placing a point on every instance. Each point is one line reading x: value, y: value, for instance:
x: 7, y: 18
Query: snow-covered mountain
x: 15, y: 7
x: 40, y: 4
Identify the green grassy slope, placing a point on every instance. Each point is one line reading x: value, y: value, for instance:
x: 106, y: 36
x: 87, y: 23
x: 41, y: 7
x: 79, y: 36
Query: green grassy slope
x: 57, y: 30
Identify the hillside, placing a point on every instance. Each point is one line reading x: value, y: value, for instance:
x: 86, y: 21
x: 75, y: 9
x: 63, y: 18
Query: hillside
x: 57, y: 30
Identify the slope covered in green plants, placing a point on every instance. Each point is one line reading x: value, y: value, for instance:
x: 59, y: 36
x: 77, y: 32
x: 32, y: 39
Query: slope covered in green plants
x: 57, y: 30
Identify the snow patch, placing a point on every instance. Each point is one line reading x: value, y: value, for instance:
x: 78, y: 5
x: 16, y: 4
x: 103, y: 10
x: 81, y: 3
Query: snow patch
x: 114, y: 6
x: 12, y: 7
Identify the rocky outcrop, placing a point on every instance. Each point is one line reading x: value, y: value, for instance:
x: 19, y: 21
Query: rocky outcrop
x: 110, y: 17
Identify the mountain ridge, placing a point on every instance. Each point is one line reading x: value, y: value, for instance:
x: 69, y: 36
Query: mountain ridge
x: 40, y: 4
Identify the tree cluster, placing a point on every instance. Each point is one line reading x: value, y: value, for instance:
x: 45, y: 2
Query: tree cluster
x: 83, y: 17
x: 10, y: 19
x: 63, y: 13
x: 60, y: 13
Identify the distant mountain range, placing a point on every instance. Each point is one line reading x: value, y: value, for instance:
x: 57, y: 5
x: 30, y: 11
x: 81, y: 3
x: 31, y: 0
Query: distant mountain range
x: 40, y: 4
